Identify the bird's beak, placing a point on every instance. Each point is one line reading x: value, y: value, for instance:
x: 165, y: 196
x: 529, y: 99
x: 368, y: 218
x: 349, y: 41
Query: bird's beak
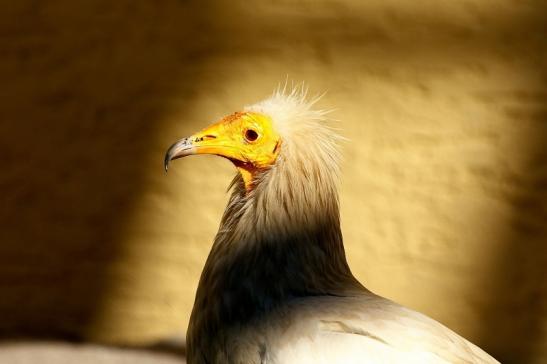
x: 212, y: 140
x: 179, y: 149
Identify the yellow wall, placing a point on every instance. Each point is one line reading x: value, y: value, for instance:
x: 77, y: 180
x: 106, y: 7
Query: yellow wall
x: 443, y: 193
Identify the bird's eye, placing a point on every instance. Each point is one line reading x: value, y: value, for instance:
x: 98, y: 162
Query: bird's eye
x: 251, y: 135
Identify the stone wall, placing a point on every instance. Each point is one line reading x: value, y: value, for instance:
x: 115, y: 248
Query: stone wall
x: 444, y: 186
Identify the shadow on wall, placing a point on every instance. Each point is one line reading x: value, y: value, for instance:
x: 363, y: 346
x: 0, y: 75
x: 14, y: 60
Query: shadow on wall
x: 84, y: 86
x: 82, y: 96
x: 516, y: 287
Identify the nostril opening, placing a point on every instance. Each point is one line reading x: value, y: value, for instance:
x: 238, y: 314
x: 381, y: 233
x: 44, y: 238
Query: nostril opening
x: 209, y: 136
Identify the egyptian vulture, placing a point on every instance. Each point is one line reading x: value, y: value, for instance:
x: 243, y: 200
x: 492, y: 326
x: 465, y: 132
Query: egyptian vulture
x: 276, y: 287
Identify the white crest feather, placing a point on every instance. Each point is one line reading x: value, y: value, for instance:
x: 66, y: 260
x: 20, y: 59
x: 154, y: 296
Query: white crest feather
x: 304, y: 129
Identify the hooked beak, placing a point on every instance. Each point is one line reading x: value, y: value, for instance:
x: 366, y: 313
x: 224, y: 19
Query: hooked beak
x: 182, y: 148
x: 200, y: 143
x: 212, y: 140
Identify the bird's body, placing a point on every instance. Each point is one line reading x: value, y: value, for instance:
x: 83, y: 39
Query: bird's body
x: 350, y: 329
x: 276, y: 287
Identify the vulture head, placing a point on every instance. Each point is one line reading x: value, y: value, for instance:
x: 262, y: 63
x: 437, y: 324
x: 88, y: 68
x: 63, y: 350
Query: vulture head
x: 281, y: 132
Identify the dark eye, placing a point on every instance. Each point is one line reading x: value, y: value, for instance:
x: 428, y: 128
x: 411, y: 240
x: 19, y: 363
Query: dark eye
x: 251, y: 135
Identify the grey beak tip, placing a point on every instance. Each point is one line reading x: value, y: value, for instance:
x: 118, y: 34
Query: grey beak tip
x: 166, y: 162
x: 177, y: 150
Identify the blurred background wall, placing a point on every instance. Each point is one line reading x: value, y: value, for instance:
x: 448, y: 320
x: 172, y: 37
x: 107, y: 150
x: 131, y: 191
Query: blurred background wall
x: 444, y: 187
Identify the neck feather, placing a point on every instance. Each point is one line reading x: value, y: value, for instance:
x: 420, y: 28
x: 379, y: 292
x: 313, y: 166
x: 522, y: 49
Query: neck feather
x: 279, y: 241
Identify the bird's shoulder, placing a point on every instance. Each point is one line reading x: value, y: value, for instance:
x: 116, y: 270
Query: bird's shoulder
x: 363, y: 328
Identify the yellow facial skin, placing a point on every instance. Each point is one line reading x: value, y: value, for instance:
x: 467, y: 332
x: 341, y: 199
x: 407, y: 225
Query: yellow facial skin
x: 246, y: 138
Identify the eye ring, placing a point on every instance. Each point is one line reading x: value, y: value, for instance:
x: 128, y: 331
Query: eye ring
x: 251, y: 135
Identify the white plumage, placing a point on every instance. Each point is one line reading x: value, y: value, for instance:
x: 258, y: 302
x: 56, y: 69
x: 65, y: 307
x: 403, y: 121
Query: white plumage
x: 276, y: 288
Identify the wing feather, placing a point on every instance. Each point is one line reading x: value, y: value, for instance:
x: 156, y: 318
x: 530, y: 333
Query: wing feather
x: 366, y: 329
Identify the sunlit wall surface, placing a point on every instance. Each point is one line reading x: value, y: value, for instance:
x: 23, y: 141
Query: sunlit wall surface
x: 444, y: 185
